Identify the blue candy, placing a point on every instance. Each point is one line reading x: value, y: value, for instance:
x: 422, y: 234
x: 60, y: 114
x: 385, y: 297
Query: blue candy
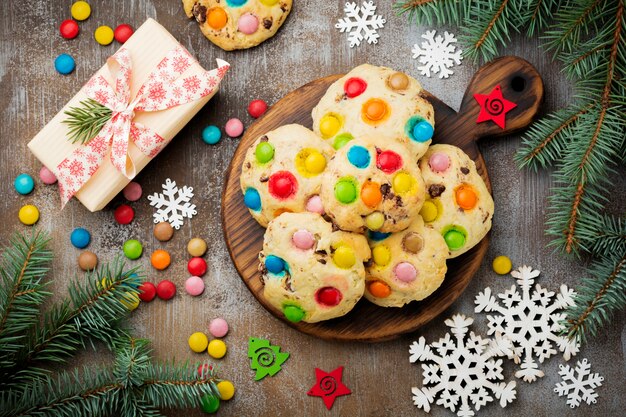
x: 24, y: 184
x: 80, y: 238
x: 236, y: 3
x: 64, y: 64
x: 274, y: 264
x: 422, y: 131
x: 252, y: 199
x: 359, y: 156
x: 211, y: 134
x: 377, y: 236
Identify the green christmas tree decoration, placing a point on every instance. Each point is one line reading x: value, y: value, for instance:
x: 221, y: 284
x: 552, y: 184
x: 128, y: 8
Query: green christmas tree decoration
x: 265, y: 358
x: 584, y: 143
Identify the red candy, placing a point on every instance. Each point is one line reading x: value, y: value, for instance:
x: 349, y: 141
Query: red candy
x: 283, y: 185
x: 388, y: 161
x: 165, y: 289
x: 122, y: 33
x: 124, y: 214
x: 354, y: 87
x: 204, y: 369
x: 328, y: 296
x: 147, y: 292
x: 197, y: 267
x: 69, y: 29
x: 256, y: 108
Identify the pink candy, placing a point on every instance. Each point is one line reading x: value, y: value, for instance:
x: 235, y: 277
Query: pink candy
x: 194, y: 286
x: 248, y: 24
x: 234, y: 128
x: 303, y: 239
x: 405, y: 272
x: 439, y: 162
x: 46, y: 176
x: 314, y: 205
x: 218, y: 327
x: 132, y: 192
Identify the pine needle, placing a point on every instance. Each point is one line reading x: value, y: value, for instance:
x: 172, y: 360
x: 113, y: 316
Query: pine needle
x: 86, y: 120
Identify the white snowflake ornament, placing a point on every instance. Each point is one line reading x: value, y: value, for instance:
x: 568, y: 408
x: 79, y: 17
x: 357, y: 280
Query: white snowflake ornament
x: 530, y: 320
x: 578, y: 383
x: 463, y: 371
x: 437, y: 54
x: 361, y: 23
x: 173, y: 204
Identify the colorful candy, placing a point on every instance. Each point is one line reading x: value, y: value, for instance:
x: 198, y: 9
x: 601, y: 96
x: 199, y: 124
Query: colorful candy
x: 359, y: 156
x: 197, y: 266
x: 69, y: 29
x: 28, y: 214
x: 413, y: 242
x: 377, y: 236
x: 405, y: 272
x: 64, y: 64
x: 46, y: 176
x: 314, y: 205
x: 217, y: 349
x: 330, y: 125
x: 379, y: 289
x: 429, y: 211
x: 269, y: 3
x: 388, y: 161
x: 124, y: 214
x: 328, y: 296
x: 147, y: 291
x: 218, y: 327
x: 211, y: 135
x: 398, y: 81
x: 133, y: 191
x: 24, y: 184
x: 217, y: 18
x: 303, y: 239
x: 293, y: 313
x: 209, y: 403
x: 345, y: 190
x: 163, y: 231
x: 198, y: 342
x: 374, y: 110
x: 402, y: 183
x: 354, y: 87
x: 422, y: 131
x: 226, y: 389
x: 264, y: 152
x: 375, y: 220
x: 87, y: 261
x: 194, y: 286
x: 252, y: 199
x: 315, y: 163
x: 466, y: 197
x: 160, y: 259
x: 103, y: 35
x: 455, y: 239
x: 344, y: 257
x: 80, y: 10
x: 502, y: 265
x: 80, y: 238
x: 234, y: 128
x: 439, y: 162
x: 196, y: 247
x: 132, y: 249
x: 257, y: 108
x: 381, y: 255
x: 370, y: 194
x: 274, y: 264
x: 130, y: 301
x: 165, y: 289
x: 282, y: 185
x: 341, y: 140
x: 248, y: 23
x: 123, y: 32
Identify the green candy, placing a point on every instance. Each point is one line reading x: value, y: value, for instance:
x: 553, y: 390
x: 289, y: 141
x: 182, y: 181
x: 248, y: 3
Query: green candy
x: 264, y: 152
x: 293, y: 313
x: 341, y: 140
x: 345, y: 190
x: 132, y: 249
x: 454, y: 239
x: 209, y: 403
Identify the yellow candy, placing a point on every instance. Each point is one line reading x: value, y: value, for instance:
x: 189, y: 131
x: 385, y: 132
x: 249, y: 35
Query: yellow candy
x: 269, y: 3
x: 29, y: 214
x: 103, y: 35
x: 375, y: 220
x: 315, y: 163
x: 81, y: 10
x: 198, y: 342
x: 217, y: 348
x: 330, y: 125
x: 429, y: 211
x: 344, y: 257
x: 402, y: 183
x: 502, y: 265
x: 226, y: 389
x: 381, y: 255
x: 130, y: 301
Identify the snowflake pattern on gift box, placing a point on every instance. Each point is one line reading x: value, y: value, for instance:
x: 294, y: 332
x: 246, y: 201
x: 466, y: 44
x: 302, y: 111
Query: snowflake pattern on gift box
x: 437, y: 54
x: 578, y: 383
x: 361, y: 23
x: 462, y: 369
x: 173, y: 204
x: 531, y: 320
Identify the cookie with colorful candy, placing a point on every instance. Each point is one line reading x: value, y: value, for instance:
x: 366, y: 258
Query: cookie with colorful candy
x: 310, y: 272
x: 282, y: 172
x: 406, y: 266
x: 372, y: 185
x: 458, y: 204
x: 375, y: 102
x: 238, y: 24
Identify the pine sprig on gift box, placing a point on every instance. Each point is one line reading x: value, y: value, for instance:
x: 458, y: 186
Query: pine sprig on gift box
x: 86, y: 120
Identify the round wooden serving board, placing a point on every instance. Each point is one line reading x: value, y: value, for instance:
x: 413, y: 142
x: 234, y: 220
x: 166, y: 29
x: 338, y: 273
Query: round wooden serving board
x: 520, y: 83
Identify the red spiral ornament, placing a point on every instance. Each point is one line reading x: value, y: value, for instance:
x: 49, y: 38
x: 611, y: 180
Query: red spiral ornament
x: 493, y: 107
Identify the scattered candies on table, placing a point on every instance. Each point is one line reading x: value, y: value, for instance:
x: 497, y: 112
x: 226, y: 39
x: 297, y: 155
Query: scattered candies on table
x: 103, y: 35
x: 123, y: 32
x: 87, y: 261
x: 133, y: 191
x: 29, y: 214
x: 217, y: 349
x: 194, y: 286
x: 198, y: 342
x: 226, y: 389
x: 81, y: 10
x: 132, y: 249
x: 197, y: 266
x: 24, y: 184
x: 147, y: 291
x: 211, y: 134
x: 218, y: 327
x: 256, y: 108
x: 163, y: 231
x: 196, y: 247
x: 209, y: 403
x: 64, y: 64
x: 502, y: 265
x: 80, y: 237
x: 234, y: 128
x: 124, y: 214
x: 160, y: 259
x: 46, y: 176
x: 165, y: 289
x: 69, y: 29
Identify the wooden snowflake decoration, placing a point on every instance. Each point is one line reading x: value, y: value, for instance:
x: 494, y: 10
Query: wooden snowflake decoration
x: 578, y: 383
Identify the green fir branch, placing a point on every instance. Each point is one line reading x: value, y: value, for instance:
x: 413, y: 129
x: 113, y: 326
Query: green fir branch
x: 602, y: 234
x: 539, y: 15
x: 489, y: 28
x: 429, y: 12
x: 86, y: 121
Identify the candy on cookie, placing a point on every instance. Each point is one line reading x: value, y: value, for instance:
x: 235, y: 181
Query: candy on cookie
x: 311, y: 273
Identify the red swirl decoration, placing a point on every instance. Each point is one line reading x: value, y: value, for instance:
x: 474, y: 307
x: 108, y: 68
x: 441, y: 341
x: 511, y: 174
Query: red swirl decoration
x: 494, y: 106
x: 328, y: 384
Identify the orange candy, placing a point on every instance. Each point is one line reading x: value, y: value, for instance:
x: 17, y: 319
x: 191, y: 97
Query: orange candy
x: 281, y: 210
x: 217, y: 18
x: 374, y: 109
x: 466, y: 197
x: 379, y: 289
x: 370, y: 194
x: 160, y: 259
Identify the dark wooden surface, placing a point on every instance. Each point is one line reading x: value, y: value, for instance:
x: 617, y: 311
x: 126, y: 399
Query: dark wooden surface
x: 306, y: 48
x: 368, y: 322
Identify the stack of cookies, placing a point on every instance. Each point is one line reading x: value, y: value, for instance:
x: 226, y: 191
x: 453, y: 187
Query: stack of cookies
x: 362, y: 205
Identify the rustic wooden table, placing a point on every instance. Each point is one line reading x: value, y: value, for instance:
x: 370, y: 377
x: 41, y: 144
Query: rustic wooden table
x: 306, y: 48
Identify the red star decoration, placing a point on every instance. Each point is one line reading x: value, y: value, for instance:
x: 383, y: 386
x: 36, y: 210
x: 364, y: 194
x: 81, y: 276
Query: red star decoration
x: 329, y: 386
x: 493, y: 107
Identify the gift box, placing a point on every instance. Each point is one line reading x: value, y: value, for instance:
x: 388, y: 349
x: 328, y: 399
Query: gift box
x: 152, y: 87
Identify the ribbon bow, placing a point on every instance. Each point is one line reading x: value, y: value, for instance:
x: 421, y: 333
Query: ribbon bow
x: 163, y: 89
